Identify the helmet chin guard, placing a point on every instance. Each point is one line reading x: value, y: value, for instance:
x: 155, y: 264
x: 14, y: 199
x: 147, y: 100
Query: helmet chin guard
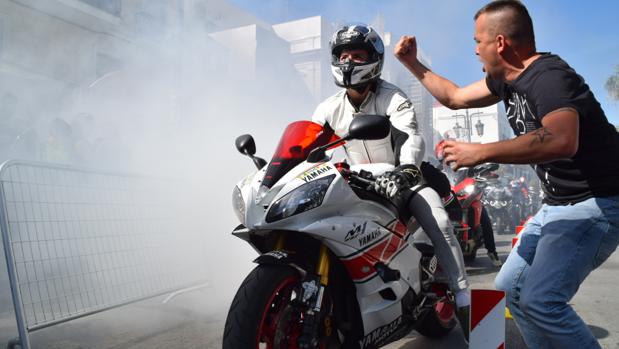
x: 352, y: 74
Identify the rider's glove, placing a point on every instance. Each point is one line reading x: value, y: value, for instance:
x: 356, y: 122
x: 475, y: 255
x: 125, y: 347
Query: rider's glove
x: 402, y: 178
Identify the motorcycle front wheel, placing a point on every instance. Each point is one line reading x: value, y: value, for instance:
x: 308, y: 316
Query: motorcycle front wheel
x: 262, y: 314
x: 499, y: 225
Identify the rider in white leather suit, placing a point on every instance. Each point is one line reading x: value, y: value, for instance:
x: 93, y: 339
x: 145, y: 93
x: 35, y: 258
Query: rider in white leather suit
x: 383, y: 99
x: 357, y: 58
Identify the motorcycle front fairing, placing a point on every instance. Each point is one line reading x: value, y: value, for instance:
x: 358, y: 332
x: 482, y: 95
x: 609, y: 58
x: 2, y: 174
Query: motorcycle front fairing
x: 361, y: 233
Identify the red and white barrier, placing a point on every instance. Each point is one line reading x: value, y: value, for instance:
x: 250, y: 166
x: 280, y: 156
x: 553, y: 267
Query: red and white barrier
x: 518, y: 230
x: 515, y: 238
x: 487, y: 319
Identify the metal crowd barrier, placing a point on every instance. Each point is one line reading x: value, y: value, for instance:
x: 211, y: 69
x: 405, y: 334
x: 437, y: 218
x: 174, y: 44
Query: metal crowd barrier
x: 78, y: 242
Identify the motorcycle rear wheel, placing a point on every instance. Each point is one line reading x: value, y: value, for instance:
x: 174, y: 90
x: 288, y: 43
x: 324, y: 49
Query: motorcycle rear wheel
x: 261, y: 315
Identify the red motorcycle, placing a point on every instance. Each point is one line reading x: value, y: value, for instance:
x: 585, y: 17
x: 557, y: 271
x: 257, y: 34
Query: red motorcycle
x: 469, y: 189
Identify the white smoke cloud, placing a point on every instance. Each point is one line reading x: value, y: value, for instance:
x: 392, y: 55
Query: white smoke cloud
x: 168, y: 104
x: 171, y: 102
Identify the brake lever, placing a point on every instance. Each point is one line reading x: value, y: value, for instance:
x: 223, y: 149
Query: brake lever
x: 362, y: 180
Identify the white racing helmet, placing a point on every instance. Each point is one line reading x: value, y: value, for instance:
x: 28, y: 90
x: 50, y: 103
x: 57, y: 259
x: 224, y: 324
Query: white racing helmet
x: 356, y: 36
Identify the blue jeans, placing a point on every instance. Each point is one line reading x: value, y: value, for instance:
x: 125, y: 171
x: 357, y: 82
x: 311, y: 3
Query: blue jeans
x: 556, y: 251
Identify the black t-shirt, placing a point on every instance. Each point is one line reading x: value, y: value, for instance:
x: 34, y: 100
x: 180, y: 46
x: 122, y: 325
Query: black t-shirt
x: 548, y: 84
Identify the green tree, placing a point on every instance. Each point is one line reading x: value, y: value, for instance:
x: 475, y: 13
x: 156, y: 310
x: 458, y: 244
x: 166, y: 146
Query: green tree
x: 612, y: 85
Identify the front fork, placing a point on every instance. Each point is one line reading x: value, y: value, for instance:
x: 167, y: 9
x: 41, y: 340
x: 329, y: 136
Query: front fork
x: 313, y: 288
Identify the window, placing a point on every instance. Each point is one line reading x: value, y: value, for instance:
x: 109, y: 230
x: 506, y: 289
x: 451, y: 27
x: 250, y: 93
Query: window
x: 305, y: 44
x: 112, y: 7
x: 151, y: 18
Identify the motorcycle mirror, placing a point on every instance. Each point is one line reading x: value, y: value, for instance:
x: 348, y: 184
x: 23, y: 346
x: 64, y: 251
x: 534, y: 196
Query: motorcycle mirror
x: 485, y: 168
x: 245, y: 145
x: 369, y: 127
x: 316, y: 155
x: 493, y: 166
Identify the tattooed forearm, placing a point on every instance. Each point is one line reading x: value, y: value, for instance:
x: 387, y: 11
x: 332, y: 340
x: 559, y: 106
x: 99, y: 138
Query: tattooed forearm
x: 539, y: 135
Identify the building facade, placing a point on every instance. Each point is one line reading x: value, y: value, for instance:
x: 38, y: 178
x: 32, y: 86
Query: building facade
x: 141, y: 65
x: 308, y: 40
x: 478, y: 125
x: 461, y: 124
x: 66, y: 48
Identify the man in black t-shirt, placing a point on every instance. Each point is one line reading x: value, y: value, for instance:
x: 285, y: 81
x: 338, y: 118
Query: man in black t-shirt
x: 563, y: 133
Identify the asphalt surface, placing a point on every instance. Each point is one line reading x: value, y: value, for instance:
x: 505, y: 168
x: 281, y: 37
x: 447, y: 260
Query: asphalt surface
x: 196, y: 319
x: 481, y: 274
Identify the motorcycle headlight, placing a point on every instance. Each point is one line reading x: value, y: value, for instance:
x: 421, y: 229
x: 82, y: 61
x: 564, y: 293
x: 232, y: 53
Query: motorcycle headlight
x: 238, y: 204
x: 303, y: 198
x: 468, y: 190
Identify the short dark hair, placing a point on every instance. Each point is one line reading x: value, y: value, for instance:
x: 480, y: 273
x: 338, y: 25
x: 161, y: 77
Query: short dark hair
x: 517, y: 26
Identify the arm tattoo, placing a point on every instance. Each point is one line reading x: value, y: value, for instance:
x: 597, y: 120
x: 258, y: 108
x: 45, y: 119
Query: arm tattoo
x: 539, y: 134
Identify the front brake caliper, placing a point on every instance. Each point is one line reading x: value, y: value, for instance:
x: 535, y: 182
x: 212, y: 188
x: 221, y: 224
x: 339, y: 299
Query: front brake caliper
x: 312, y: 301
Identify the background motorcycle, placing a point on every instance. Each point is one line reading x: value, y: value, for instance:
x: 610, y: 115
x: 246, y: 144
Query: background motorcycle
x: 521, y: 201
x: 536, y: 195
x: 338, y: 268
x: 469, y: 186
x: 497, y: 200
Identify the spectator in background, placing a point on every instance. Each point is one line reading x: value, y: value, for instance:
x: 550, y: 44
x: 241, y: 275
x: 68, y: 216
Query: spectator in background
x: 59, y: 146
x: 83, y: 126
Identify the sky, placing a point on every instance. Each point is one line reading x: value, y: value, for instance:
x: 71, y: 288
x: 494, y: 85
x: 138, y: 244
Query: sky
x: 584, y: 33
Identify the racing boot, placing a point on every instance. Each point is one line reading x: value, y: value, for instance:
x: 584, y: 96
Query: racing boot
x: 463, y: 314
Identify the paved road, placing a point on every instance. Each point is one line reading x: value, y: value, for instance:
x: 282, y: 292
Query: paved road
x: 195, y: 320
x: 481, y: 276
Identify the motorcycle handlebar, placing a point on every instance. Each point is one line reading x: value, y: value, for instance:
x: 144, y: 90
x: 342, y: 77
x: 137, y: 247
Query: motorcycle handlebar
x: 361, y: 181
x: 357, y: 178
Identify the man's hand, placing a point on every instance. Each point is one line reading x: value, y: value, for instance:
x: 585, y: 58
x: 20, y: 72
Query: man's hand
x: 392, y: 184
x: 406, y: 50
x: 458, y: 154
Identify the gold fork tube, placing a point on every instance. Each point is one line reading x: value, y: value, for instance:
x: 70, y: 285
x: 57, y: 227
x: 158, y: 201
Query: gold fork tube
x: 323, y: 265
x: 281, y: 239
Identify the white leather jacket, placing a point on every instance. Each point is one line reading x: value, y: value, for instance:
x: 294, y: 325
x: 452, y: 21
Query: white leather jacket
x: 404, y: 145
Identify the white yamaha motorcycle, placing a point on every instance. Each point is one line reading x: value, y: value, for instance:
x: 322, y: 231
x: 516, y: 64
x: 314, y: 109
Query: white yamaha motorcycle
x: 338, y: 268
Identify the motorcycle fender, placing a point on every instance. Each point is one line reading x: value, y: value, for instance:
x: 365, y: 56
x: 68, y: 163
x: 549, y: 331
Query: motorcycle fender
x: 279, y: 258
x: 241, y: 232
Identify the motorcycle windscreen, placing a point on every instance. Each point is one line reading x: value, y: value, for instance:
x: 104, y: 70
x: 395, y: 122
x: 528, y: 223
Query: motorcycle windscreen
x: 298, y: 140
